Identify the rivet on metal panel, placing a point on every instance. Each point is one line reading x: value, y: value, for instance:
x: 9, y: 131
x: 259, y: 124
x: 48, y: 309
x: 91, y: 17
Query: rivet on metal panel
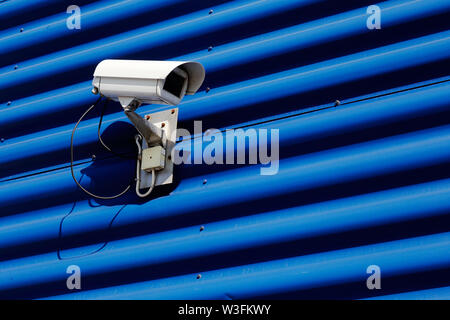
x: 199, y: 276
x: 210, y: 48
x: 202, y: 228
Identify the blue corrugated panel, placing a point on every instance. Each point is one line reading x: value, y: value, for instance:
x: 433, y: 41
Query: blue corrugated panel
x: 362, y: 182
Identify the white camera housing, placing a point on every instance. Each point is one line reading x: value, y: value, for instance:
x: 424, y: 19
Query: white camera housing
x: 148, y: 82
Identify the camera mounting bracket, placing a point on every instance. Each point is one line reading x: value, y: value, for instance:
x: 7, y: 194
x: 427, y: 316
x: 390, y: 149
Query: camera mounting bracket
x: 165, y: 120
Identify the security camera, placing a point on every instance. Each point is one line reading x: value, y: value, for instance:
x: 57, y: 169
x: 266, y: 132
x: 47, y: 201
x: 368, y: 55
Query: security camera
x: 136, y: 82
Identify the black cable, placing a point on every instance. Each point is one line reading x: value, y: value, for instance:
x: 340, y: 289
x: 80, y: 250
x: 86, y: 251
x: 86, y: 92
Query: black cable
x: 100, y: 136
x: 100, y: 126
x: 71, y: 159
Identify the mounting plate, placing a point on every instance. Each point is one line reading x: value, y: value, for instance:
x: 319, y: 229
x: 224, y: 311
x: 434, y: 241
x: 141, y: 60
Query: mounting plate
x: 167, y: 120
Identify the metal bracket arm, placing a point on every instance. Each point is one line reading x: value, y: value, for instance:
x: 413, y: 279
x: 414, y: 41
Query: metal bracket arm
x: 151, y: 133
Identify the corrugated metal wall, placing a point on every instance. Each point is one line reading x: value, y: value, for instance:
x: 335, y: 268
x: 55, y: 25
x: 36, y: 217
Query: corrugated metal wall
x: 366, y: 182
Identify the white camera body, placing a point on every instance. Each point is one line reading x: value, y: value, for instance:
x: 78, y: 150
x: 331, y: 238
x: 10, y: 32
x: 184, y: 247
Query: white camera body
x: 148, y: 82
